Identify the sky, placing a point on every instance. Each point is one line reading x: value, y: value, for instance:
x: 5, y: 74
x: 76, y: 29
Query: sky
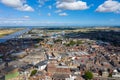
x: 59, y: 12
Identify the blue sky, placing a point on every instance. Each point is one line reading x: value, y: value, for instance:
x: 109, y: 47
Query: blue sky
x: 59, y: 12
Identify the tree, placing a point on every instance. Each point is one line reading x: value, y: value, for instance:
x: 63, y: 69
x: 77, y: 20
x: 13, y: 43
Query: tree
x: 79, y: 42
x: 72, y: 43
x: 58, y: 40
x: 33, y: 72
x: 110, y: 75
x: 100, y: 72
x: 88, y: 75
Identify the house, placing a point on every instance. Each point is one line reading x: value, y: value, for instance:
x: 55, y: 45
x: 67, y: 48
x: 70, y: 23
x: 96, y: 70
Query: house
x: 63, y: 69
x: 60, y: 76
x: 116, y: 74
x: 19, y: 54
x: 41, y: 65
x: 51, y: 68
x: 63, y: 77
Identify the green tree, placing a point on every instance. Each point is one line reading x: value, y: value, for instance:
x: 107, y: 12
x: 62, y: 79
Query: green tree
x: 33, y: 72
x: 58, y: 40
x: 88, y: 75
x: 79, y: 42
x: 110, y: 75
x: 72, y: 43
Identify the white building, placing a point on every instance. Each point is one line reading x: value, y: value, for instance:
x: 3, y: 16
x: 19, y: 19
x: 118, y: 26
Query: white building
x: 116, y: 74
x: 41, y: 65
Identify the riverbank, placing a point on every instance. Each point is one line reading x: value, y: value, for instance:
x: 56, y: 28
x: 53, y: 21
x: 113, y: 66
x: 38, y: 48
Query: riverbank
x: 5, y: 32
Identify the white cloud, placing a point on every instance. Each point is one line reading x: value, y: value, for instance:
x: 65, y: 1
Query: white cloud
x: 49, y: 14
x: 25, y: 8
x: 17, y: 4
x: 71, y: 5
x: 58, y: 11
x: 26, y: 17
x: 63, y: 14
x: 42, y: 2
x: 12, y: 3
x: 50, y: 7
x: 109, y: 6
x: 11, y: 22
x: 5, y: 21
x: 15, y: 19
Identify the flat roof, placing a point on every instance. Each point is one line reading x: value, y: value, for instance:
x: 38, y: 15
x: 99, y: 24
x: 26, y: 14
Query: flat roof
x: 42, y: 63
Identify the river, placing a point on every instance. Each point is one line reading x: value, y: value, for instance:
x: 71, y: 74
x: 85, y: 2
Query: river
x: 14, y: 35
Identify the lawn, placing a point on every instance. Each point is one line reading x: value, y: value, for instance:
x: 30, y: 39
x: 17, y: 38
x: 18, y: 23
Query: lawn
x: 11, y: 75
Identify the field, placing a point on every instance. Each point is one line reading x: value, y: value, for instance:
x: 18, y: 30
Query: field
x: 4, y: 32
x: 12, y: 75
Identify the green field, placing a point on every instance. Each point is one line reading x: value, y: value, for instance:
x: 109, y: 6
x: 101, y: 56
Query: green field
x: 11, y: 75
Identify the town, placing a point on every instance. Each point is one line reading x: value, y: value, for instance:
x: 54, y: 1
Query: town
x: 61, y: 54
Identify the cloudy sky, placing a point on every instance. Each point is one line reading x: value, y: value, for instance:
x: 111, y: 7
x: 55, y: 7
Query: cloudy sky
x: 59, y: 12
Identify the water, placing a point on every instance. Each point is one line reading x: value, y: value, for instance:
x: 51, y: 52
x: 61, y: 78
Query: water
x: 14, y: 35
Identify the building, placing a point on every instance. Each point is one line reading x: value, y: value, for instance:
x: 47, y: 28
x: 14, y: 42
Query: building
x: 41, y: 65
